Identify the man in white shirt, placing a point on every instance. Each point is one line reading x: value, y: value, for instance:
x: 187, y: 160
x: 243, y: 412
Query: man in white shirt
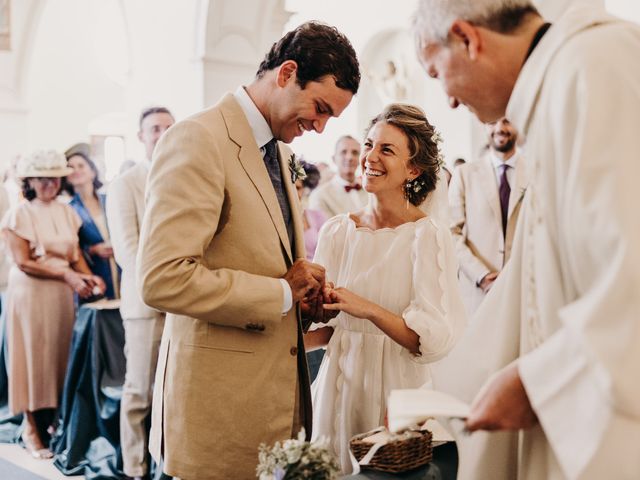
x: 142, y: 325
x: 344, y: 192
x: 485, y: 198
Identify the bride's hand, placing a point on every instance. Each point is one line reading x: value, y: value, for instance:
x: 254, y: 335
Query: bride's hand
x: 326, y: 292
x: 348, y: 302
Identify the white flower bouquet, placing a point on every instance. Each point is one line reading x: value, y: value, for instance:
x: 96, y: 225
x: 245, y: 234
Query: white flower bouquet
x: 296, y: 459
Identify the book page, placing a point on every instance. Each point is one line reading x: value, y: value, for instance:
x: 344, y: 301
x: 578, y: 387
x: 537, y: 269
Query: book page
x: 413, y: 406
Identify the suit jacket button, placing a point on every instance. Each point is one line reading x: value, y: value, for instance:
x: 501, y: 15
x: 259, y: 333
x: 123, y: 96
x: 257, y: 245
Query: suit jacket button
x: 293, y: 351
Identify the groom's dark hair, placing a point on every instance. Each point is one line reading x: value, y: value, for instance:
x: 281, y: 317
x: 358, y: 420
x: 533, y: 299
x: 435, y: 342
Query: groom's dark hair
x: 319, y: 50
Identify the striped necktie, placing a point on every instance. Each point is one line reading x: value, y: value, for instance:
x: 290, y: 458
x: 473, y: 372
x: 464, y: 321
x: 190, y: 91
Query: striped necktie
x: 273, y: 167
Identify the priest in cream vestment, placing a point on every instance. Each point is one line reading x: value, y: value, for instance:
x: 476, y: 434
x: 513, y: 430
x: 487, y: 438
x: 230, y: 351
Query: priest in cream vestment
x: 555, y: 348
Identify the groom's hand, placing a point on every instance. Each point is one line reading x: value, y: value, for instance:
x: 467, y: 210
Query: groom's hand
x: 312, y: 308
x: 306, y: 279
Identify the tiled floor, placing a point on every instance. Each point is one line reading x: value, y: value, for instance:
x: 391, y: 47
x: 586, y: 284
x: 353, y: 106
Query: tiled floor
x: 19, y: 456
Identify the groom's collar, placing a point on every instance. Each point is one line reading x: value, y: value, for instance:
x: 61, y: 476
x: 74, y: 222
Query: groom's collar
x: 259, y: 126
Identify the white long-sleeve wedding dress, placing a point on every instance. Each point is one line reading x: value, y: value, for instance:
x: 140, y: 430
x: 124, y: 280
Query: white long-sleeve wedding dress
x: 410, y: 270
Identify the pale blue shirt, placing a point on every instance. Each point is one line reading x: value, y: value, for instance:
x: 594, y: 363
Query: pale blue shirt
x: 497, y: 166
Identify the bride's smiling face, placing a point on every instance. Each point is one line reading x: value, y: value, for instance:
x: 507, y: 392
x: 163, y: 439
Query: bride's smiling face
x: 385, y: 159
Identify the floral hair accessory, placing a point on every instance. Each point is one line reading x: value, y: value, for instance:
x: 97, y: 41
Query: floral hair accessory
x: 437, y: 139
x: 296, y: 169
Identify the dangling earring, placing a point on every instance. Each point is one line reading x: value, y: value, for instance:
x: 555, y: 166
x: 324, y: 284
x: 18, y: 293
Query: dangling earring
x: 407, y: 189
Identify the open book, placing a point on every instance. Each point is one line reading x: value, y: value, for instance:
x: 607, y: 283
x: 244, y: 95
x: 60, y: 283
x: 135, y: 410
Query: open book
x: 409, y: 407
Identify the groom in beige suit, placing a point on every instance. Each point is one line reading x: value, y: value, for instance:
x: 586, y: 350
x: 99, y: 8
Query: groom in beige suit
x: 485, y: 198
x: 222, y: 252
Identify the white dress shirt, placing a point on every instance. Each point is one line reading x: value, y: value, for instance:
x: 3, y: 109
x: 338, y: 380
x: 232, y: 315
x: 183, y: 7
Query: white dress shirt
x: 263, y: 135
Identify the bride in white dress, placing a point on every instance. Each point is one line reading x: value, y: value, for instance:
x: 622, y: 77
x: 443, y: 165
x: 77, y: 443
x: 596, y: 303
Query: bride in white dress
x: 395, y: 273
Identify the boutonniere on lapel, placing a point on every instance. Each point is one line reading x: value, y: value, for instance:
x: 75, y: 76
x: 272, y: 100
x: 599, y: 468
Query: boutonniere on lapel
x: 523, y: 190
x: 296, y: 169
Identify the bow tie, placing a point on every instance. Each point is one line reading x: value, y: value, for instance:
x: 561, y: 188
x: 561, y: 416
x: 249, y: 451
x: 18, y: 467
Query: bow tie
x: 356, y: 187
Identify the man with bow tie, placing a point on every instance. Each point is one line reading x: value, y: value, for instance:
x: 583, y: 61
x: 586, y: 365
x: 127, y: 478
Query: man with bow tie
x: 344, y: 192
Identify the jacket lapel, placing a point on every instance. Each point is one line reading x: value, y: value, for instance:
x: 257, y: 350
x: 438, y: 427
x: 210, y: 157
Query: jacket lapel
x: 140, y: 182
x: 490, y: 187
x: 284, y: 154
x: 520, y: 185
x: 253, y: 164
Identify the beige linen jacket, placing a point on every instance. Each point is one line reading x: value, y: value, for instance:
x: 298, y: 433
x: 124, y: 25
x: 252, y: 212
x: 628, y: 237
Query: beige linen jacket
x: 125, y: 209
x: 476, y: 223
x: 231, y: 372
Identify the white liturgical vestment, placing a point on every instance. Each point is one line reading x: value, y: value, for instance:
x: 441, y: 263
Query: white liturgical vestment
x: 567, y: 306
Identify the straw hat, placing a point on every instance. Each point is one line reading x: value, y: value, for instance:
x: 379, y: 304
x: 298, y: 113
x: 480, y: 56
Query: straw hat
x: 82, y: 148
x: 43, y: 163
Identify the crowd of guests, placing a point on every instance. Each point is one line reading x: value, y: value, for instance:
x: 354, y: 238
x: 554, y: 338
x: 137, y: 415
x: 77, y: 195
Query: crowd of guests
x: 68, y: 243
x: 59, y: 231
x: 237, y: 265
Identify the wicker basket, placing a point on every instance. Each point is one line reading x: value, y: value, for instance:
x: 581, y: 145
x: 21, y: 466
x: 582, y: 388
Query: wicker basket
x: 396, y: 456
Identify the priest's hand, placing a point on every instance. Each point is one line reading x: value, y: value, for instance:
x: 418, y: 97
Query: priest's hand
x: 502, y: 404
x: 487, y: 281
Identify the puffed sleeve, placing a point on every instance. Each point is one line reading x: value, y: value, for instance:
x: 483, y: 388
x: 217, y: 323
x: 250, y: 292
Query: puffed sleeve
x: 18, y: 220
x: 436, y: 312
x: 331, y: 242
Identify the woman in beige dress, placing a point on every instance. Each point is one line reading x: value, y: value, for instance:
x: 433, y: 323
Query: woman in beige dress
x: 42, y: 235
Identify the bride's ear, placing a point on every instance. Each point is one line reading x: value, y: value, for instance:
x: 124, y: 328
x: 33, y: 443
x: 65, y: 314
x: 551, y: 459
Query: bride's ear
x: 413, y: 173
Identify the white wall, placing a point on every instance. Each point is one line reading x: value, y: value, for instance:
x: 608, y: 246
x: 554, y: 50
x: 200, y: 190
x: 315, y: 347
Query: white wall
x: 361, y: 21
x: 165, y: 67
x: 552, y: 9
x: 65, y: 87
x: 238, y: 35
x: 628, y: 9
x: 13, y: 111
x: 82, y: 67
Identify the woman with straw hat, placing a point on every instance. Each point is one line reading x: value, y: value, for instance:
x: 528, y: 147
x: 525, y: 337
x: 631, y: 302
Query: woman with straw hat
x: 42, y: 235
